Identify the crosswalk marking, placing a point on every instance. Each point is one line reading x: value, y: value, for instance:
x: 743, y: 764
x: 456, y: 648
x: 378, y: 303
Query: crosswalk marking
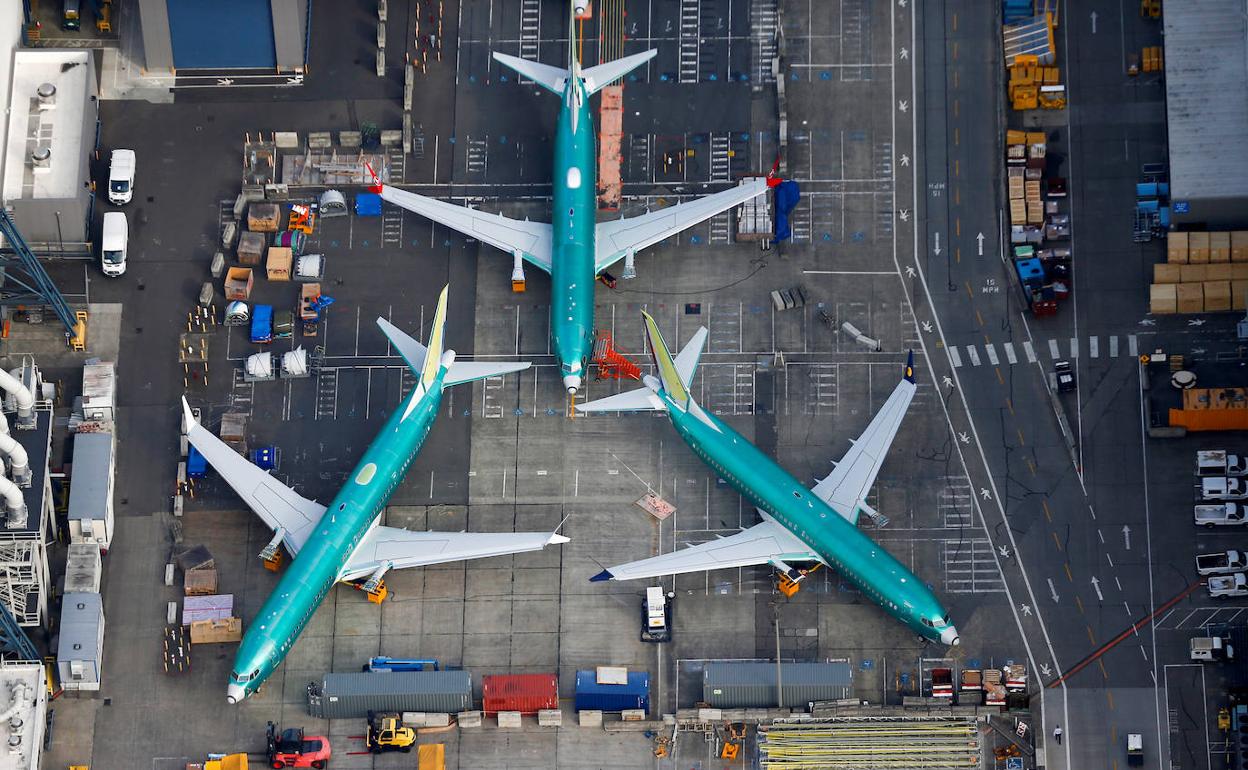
x: 973, y: 354
x: 953, y: 356
x: 1009, y: 353
x: 1113, y: 346
x: 1054, y: 352
x: 1030, y: 351
x: 1132, y: 346
x: 1094, y: 347
x: 992, y: 353
x: 1074, y: 347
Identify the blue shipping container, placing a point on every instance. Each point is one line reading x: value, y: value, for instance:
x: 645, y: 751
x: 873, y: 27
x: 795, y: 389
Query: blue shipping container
x: 591, y: 696
x: 368, y: 205
x: 262, y: 323
x: 196, y: 464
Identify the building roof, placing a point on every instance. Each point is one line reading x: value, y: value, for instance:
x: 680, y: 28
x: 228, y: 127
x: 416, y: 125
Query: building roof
x: 31, y: 704
x: 93, y: 467
x: 82, y: 614
x: 1206, y: 103
x: 59, y: 129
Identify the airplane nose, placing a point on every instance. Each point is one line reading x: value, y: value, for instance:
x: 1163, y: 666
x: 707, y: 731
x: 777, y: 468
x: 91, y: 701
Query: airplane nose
x: 572, y: 382
x: 950, y: 637
x: 234, y: 694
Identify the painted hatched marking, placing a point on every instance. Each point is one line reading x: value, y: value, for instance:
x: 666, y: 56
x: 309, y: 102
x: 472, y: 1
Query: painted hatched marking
x: 970, y: 567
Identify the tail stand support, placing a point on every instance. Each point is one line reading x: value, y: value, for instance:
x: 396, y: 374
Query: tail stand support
x: 611, y: 363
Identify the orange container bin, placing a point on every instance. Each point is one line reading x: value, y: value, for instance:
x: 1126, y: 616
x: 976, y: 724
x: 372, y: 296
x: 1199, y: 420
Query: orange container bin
x: 526, y: 693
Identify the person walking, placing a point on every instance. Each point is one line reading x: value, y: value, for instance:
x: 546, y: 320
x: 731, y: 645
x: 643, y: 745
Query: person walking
x: 1057, y: 734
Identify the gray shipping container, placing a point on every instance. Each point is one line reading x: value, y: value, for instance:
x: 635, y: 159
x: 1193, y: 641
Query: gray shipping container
x: 753, y: 685
x: 352, y: 696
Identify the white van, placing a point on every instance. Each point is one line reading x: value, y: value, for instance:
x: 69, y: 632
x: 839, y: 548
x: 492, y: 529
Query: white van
x: 113, y: 244
x: 121, y: 177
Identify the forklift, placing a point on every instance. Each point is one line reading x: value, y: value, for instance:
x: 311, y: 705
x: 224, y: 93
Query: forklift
x: 733, y: 737
x: 387, y: 733
x: 290, y: 748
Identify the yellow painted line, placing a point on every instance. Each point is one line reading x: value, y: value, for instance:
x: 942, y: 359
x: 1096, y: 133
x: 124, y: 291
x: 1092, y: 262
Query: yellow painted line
x: 957, y: 133
x: 1079, y: 602
x: 1021, y: 440
x: 969, y: 294
x: 979, y: 318
x: 1069, y: 576
x: 955, y: 50
x: 1045, y: 505
x: 1099, y: 661
x: 1000, y: 379
x: 957, y: 254
x: 1058, y: 543
x: 957, y: 226
x: 955, y: 24
x: 957, y: 167
x: 1010, y: 405
x: 1092, y: 638
x: 955, y: 108
x: 955, y: 78
x: 1109, y: 696
x: 1032, y: 467
x: 957, y: 195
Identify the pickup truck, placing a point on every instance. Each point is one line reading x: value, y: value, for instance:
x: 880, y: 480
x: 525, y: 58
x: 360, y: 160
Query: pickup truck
x: 1219, y: 514
x: 1228, y: 586
x: 1221, y: 488
x: 1219, y: 462
x: 1211, y: 648
x: 1221, y: 563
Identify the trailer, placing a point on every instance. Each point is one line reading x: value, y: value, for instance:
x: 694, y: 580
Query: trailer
x: 1211, y: 648
x: 1221, y: 563
x: 383, y: 663
x: 754, y: 222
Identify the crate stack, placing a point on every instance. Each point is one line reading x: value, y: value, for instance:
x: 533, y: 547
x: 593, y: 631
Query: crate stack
x: 1204, y: 272
x: 1035, y: 80
x: 1038, y: 227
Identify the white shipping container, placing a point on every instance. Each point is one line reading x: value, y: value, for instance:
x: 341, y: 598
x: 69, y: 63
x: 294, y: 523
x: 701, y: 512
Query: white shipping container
x: 82, y: 569
x: 91, y: 490
x: 99, y: 391
x: 81, y: 649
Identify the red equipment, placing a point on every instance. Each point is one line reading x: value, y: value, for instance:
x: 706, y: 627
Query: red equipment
x: 611, y: 364
x: 291, y: 748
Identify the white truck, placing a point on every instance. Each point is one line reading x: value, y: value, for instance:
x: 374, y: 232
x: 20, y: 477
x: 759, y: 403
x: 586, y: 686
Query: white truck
x: 1221, y: 488
x: 1221, y: 563
x: 1211, y: 648
x: 1219, y: 462
x: 1228, y: 586
x: 656, y: 615
x: 1219, y: 515
x: 121, y: 177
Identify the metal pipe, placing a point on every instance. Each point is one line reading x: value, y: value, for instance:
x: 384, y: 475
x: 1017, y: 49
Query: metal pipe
x: 12, y: 383
x: 19, y: 462
x: 14, y: 504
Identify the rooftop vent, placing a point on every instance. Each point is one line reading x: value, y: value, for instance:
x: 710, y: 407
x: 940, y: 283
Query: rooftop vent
x: 41, y: 160
x: 47, y: 96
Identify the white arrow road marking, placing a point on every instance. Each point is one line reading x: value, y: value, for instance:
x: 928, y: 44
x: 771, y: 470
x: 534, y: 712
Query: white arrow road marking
x: 1096, y: 586
x: 1093, y: 17
x: 979, y: 239
x: 936, y: 248
x: 1126, y: 537
x: 1053, y: 590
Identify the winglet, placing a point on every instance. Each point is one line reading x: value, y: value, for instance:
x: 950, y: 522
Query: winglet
x: 601, y: 576
x: 669, y: 375
x: 909, y: 370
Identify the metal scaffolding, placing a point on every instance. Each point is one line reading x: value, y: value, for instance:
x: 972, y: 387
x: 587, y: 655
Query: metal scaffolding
x: 853, y: 743
x: 23, y: 281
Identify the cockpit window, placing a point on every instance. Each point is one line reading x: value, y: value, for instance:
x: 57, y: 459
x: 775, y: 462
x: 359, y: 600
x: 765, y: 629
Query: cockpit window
x: 245, y: 677
x: 928, y: 623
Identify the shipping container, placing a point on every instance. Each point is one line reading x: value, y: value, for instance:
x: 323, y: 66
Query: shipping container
x: 82, y: 569
x: 753, y: 685
x: 352, y: 696
x: 526, y: 693
x: 81, y: 646
x: 91, y: 490
x: 592, y: 696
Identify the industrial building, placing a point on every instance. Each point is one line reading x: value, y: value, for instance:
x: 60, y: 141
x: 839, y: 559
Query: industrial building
x: 51, y: 135
x: 24, y: 708
x: 81, y: 647
x: 1206, y: 45
x: 256, y: 35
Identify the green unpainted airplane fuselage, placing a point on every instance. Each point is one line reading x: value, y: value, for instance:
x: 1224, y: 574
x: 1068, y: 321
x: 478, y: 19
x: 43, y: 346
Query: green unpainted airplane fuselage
x: 861, y: 561
x: 573, y: 222
x: 320, y: 561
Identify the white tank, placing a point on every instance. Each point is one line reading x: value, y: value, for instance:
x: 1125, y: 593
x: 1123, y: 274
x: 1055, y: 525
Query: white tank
x: 260, y: 365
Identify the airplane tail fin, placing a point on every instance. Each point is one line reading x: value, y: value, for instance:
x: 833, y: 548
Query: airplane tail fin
x: 603, y: 75
x: 669, y: 375
x: 681, y: 369
x: 425, y: 361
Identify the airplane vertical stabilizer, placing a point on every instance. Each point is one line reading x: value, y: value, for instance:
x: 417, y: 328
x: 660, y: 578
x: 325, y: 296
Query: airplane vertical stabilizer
x: 437, y: 340
x: 669, y: 375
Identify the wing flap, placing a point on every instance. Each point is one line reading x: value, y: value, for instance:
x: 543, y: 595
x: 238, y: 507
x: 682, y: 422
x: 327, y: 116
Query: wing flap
x: 845, y: 489
x: 617, y: 237
x: 531, y: 239
x: 759, y: 544
x: 401, y: 548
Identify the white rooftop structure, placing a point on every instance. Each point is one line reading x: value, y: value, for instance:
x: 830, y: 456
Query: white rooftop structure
x: 23, y: 714
x: 53, y: 123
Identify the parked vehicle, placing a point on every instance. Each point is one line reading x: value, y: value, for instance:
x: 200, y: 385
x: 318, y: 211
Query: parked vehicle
x: 71, y: 17
x: 262, y: 324
x: 1221, y: 488
x: 1228, y: 586
x: 1211, y: 648
x: 1218, y: 462
x: 121, y: 177
x: 382, y: 663
x: 1135, y: 750
x: 1219, y: 515
x: 114, y: 239
x: 283, y: 324
x: 1221, y: 563
x: 656, y: 615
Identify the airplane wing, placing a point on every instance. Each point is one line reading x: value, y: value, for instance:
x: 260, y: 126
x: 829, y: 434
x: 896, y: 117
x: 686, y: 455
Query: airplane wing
x: 617, y: 237
x: 845, y: 488
x: 759, y: 544
x: 276, y: 504
x: 396, y: 548
x: 531, y: 239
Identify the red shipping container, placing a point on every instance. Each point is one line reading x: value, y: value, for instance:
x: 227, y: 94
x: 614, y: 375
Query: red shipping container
x: 526, y: 693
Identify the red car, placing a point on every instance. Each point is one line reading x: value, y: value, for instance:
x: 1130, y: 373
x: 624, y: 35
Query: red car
x: 290, y: 748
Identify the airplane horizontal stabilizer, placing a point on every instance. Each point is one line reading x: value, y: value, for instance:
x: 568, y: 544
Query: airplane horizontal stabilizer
x: 393, y: 548
x: 763, y: 543
x: 640, y: 400
x: 469, y: 371
x: 412, y: 351
x: 600, y: 76
x: 550, y: 78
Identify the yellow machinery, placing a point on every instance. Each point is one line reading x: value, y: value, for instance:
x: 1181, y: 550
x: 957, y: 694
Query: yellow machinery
x: 1150, y: 9
x: 1224, y: 719
x: 789, y: 586
x: 387, y: 733
x: 734, y: 739
x: 301, y: 219
x: 228, y: 762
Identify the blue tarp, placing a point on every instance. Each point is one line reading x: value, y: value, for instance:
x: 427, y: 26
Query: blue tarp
x: 262, y: 323
x: 787, y: 196
x: 368, y: 205
x: 222, y: 34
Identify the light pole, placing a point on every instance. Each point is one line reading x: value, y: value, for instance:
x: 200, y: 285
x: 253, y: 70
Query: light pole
x: 60, y: 241
x: 775, y: 608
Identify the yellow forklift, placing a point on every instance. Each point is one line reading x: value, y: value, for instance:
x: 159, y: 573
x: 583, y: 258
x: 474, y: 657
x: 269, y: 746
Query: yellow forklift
x: 387, y: 733
x: 733, y: 737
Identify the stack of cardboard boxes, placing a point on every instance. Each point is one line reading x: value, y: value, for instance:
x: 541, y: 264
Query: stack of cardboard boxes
x: 1025, y: 159
x: 1203, y: 273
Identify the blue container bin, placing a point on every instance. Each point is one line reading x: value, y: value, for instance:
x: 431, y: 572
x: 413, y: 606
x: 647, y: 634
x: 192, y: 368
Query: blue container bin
x: 591, y: 696
x: 1030, y: 272
x: 1146, y: 190
x: 196, y: 464
x: 368, y: 205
